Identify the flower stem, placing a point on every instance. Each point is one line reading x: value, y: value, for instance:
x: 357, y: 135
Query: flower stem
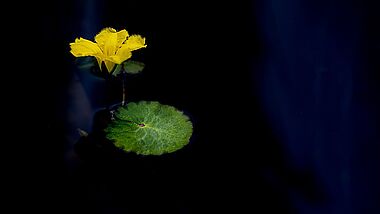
x: 123, y: 79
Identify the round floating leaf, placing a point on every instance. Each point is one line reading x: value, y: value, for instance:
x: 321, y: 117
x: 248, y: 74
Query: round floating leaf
x: 149, y: 128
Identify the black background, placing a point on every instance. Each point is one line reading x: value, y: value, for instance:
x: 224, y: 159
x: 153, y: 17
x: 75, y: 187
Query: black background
x: 207, y: 58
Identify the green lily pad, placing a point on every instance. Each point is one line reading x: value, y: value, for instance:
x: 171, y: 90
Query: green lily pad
x: 149, y: 128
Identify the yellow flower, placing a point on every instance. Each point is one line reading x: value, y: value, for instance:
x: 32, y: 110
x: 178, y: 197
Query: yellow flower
x: 111, y: 47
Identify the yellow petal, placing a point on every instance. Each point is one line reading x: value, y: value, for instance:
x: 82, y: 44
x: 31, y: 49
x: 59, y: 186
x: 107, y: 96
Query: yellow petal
x: 84, y: 47
x: 122, y: 54
x: 109, y: 65
x: 103, y: 36
x: 110, y: 45
x: 121, y: 37
x: 135, y: 42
